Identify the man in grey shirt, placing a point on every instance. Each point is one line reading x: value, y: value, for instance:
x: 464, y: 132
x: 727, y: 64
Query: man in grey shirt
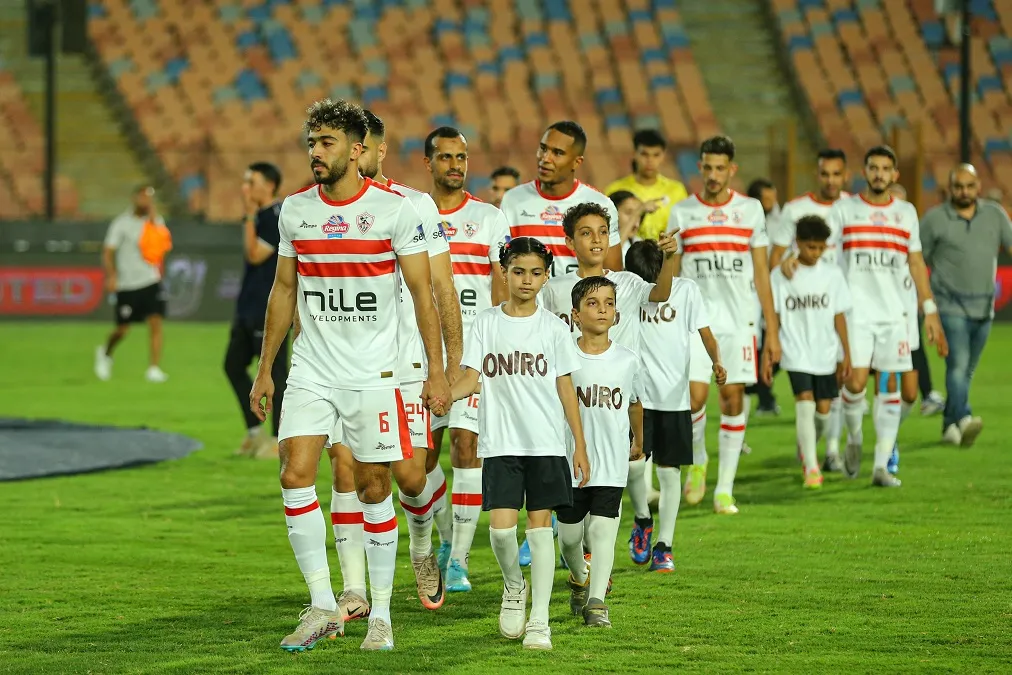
x: 135, y: 245
x: 961, y: 241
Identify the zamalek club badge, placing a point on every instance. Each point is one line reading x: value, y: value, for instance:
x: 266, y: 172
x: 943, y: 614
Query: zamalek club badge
x: 364, y: 221
x: 470, y: 228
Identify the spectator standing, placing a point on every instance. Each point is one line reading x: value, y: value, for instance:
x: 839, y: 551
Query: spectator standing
x: 657, y: 192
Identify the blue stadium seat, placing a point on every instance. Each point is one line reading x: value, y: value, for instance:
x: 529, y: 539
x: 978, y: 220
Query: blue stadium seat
x: 662, y: 82
x: 787, y: 17
x: 487, y: 68
x: 799, y: 42
x: 929, y: 184
x: 249, y: 86
x: 156, y: 79
x: 901, y: 83
x: 442, y: 121
x: 190, y: 183
x: 652, y: 54
x: 608, y: 96
x: 175, y: 67
x: 120, y: 66
x: 845, y: 16
x: 805, y: 4
x: 640, y: 15
x: 620, y: 120
x: 538, y: 39
x: 374, y: 93
x: 647, y: 122
x: 688, y: 162
x: 259, y: 13
x: 510, y: 53
x: 456, y: 81
x: 544, y: 81
x: 849, y: 97
x: 246, y: 40
x: 996, y: 145
x: 444, y: 25
x: 557, y: 10
x: 229, y: 14
x: 281, y: 46
x: 96, y: 11
x: 986, y: 83
x: 933, y: 33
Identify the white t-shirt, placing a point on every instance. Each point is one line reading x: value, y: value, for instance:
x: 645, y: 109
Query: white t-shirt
x: 876, y: 243
x: 666, y: 329
x: 716, y: 241
x: 632, y: 293
x: 530, y: 213
x: 519, y: 360
x: 413, y: 365
x: 348, y: 282
x: 132, y: 270
x: 606, y: 384
x: 807, y: 305
x: 798, y: 208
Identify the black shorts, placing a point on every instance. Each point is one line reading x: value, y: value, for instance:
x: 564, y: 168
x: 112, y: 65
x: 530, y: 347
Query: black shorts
x: 667, y: 437
x: 137, y: 305
x: 823, y: 387
x: 602, y: 500
x: 544, y: 483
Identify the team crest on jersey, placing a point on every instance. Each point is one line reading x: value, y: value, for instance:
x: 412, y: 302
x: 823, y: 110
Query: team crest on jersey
x: 449, y: 231
x: 717, y: 217
x: 470, y: 229
x: 879, y: 218
x: 364, y: 221
x: 736, y: 218
x: 552, y: 215
x: 335, y: 227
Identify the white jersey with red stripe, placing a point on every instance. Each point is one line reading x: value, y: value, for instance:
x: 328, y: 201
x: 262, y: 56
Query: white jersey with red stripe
x: 413, y: 366
x: 876, y: 242
x: 475, y: 231
x: 531, y: 213
x: 348, y: 282
x: 716, y: 241
x: 796, y: 209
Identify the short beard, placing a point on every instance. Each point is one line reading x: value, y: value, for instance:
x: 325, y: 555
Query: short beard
x: 335, y: 172
x: 963, y: 203
x: 451, y: 184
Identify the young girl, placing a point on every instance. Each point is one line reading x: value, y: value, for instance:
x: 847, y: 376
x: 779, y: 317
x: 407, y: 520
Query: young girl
x: 524, y: 355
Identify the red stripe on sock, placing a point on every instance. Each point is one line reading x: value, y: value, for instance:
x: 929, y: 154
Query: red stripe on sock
x: 352, y: 518
x: 464, y: 499
x: 289, y: 511
x: 702, y: 416
x: 440, y: 491
x: 732, y: 427
x: 381, y: 527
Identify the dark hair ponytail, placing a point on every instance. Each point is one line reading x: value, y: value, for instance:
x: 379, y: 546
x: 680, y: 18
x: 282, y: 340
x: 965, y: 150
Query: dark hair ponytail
x: 523, y: 246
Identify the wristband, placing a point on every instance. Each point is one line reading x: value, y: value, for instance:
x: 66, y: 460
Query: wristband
x: 930, y: 307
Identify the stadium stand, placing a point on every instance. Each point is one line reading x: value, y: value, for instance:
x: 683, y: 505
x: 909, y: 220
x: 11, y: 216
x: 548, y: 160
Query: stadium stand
x: 870, y: 66
x: 215, y: 85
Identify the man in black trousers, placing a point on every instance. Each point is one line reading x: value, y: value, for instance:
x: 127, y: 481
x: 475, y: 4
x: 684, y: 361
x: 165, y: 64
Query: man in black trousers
x: 260, y: 251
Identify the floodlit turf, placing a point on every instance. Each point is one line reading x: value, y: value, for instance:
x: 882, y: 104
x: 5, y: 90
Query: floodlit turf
x: 184, y: 567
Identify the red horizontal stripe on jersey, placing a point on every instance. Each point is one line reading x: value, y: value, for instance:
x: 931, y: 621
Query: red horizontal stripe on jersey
x: 481, y: 269
x: 298, y: 511
x: 464, y: 248
x: 732, y: 427
x: 537, y: 231
x: 376, y: 268
x: 381, y: 527
x: 875, y: 229
x: 716, y: 246
x: 716, y: 230
x: 354, y: 518
x: 338, y: 246
x: 461, y: 499
x: 871, y: 243
x: 560, y: 250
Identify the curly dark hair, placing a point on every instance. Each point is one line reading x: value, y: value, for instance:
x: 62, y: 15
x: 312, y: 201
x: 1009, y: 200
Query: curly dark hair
x: 812, y: 228
x: 340, y: 115
x: 577, y: 213
x: 523, y: 246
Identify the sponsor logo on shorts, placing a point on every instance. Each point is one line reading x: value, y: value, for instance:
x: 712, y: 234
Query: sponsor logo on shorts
x: 384, y: 446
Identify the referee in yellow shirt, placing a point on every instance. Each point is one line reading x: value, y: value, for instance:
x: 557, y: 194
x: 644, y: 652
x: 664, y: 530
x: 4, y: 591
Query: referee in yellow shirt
x: 658, y: 193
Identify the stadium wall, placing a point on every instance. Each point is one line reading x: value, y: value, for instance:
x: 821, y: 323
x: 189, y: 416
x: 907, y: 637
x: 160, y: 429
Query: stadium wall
x: 53, y: 271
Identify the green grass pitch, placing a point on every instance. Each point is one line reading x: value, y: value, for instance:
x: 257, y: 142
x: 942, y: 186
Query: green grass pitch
x: 184, y: 567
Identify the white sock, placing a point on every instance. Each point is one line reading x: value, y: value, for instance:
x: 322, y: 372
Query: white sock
x: 853, y: 414
x: 507, y: 554
x: 542, y: 542
x: 876, y: 401
x: 887, y: 426
x: 381, y: 554
x: 571, y: 543
x: 418, y: 511
x: 349, y: 539
x: 732, y: 434
x: 307, y: 533
x: 466, y: 510
x: 821, y: 422
x: 834, y: 426
x: 804, y: 423
x: 442, y: 515
x: 648, y: 475
x: 670, y: 478
x: 905, y: 409
x: 586, y: 534
x: 637, y: 488
x: 603, y: 533
x: 699, y: 457
x: 746, y: 408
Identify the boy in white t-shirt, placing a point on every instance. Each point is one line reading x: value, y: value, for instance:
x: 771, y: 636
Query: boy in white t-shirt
x: 667, y: 331
x: 813, y: 326
x: 524, y: 356
x: 607, y: 388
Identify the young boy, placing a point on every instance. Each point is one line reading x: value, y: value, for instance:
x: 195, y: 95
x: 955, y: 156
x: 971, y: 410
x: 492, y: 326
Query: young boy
x: 607, y: 387
x: 525, y: 357
x: 813, y: 327
x: 667, y: 329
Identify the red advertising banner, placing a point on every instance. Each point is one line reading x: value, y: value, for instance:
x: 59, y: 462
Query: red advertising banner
x: 52, y: 291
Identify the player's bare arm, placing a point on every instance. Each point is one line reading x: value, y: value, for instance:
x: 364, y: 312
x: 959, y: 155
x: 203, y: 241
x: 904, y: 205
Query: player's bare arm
x: 255, y: 249
x: 713, y: 351
x: 418, y: 278
x: 613, y: 259
x: 844, y: 367
x: 465, y: 384
x: 761, y: 276
x: 777, y: 256
x: 109, y: 265
x: 567, y: 394
x: 500, y: 291
x: 296, y: 324
x: 636, y: 424
x: 448, y: 307
x: 926, y: 300
x: 280, y: 313
x: 669, y: 245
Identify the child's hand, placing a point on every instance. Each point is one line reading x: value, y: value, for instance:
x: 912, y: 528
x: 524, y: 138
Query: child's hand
x: 581, y: 466
x: 635, y: 452
x: 767, y: 370
x: 668, y: 243
x: 720, y: 374
x: 843, y: 371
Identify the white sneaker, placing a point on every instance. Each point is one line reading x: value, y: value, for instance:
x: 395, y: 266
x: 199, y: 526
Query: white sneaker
x: 852, y: 459
x: 933, y: 404
x: 951, y: 435
x: 882, y: 478
x: 155, y: 374
x: 539, y: 636
x: 103, y: 364
x: 512, y: 613
x: 969, y: 429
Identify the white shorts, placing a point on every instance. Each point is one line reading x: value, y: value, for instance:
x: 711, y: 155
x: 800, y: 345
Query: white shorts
x: 739, y: 353
x: 417, y: 415
x: 372, y: 423
x: 913, y: 330
x: 884, y: 347
x: 463, y: 415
